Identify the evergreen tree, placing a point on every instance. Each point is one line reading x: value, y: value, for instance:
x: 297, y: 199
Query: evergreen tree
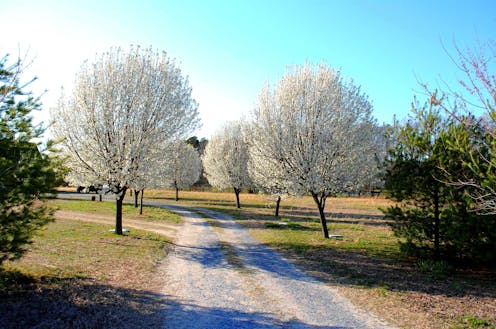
x: 470, y: 234
x: 411, y: 180
x: 433, y: 214
x: 26, y: 174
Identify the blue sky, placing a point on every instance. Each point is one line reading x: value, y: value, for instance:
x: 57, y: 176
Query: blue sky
x: 229, y: 49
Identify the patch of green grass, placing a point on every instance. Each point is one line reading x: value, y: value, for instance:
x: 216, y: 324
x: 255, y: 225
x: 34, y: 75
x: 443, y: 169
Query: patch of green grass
x: 380, y: 287
x: 381, y: 291
x: 306, y: 235
x: 286, y: 225
x: 470, y: 321
x: 155, y: 214
x: 108, y: 208
x: 72, y: 250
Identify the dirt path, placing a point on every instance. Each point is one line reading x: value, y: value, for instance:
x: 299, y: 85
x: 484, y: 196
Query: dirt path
x: 218, y: 276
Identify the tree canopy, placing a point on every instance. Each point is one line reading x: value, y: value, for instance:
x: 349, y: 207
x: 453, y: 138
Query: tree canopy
x: 226, y: 159
x: 316, y: 129
x: 181, y: 167
x: 123, y: 105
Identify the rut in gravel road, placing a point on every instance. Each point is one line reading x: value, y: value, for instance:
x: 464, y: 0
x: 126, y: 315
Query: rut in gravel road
x: 218, y: 276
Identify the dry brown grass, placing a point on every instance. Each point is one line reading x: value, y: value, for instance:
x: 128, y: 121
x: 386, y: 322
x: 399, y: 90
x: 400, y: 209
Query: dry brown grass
x: 301, y: 207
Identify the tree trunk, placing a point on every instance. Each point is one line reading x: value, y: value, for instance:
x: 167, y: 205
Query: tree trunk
x: 321, y: 205
x: 100, y: 197
x: 278, y: 203
x: 177, y: 191
x: 118, y: 213
x: 136, y: 194
x: 141, y: 201
x: 237, y: 191
x: 437, y: 249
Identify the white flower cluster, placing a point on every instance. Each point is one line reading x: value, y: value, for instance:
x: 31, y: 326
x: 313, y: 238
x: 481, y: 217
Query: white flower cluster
x: 226, y: 158
x: 312, y: 133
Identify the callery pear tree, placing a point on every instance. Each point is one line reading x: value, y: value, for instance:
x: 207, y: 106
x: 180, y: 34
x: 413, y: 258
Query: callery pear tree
x: 316, y: 129
x: 181, y: 167
x: 267, y: 174
x: 144, y: 179
x: 226, y: 159
x: 123, y: 105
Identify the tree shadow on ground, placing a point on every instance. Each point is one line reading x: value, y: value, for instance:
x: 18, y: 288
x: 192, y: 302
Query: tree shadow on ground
x: 454, y: 294
x: 465, y: 290
x: 188, y: 315
x: 269, y: 222
x: 82, y: 304
x: 254, y: 255
x: 211, y: 256
x: 79, y: 303
x: 352, y: 268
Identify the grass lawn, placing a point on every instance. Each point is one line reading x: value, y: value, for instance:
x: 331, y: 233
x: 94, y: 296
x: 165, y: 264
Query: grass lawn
x: 150, y: 214
x: 78, y: 275
x: 366, y: 265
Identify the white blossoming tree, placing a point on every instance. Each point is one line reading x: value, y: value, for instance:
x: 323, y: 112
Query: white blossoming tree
x: 314, y: 130
x: 181, y: 167
x: 123, y: 105
x: 147, y: 176
x: 267, y: 174
x: 226, y: 159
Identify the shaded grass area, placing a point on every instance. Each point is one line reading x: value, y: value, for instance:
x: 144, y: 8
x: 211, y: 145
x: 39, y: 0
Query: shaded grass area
x: 78, y: 275
x: 367, y: 265
x: 150, y: 213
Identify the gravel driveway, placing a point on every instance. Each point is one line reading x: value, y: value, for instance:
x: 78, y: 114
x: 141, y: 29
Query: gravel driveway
x: 218, y: 276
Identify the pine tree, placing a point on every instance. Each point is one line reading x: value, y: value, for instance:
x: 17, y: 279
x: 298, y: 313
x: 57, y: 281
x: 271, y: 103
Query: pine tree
x: 26, y: 174
x: 434, y: 215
